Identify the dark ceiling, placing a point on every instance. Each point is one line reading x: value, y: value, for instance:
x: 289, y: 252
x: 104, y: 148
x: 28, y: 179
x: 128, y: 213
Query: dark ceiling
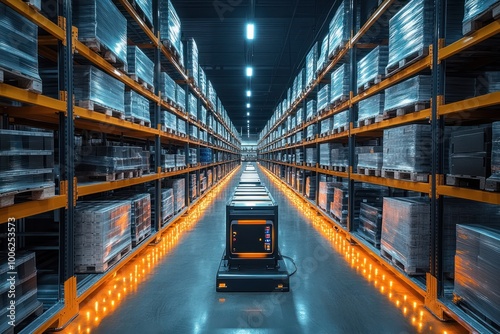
x: 284, y: 33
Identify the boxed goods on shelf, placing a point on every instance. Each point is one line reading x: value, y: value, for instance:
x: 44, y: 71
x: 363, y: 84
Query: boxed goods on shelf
x: 192, y: 60
x: 299, y: 155
x: 137, y: 107
x: 310, y: 190
x: 474, y: 9
x: 192, y: 160
x: 21, y: 281
x: 180, y: 160
x: 180, y: 97
x: 166, y: 205
x: 206, y: 156
x: 140, y: 205
x: 371, y: 68
x: 370, y: 222
x: 323, y: 54
x: 211, y: 95
x: 102, y: 234
x: 193, y: 131
x: 311, y: 131
x: 324, y: 154
x: 146, y: 6
x: 326, y: 125
x: 470, y: 151
x: 325, y: 194
x: 341, y: 121
x: 26, y: 164
x: 102, y: 27
x: 181, y: 125
x: 493, y: 182
x: 20, y: 57
x: 209, y: 178
x: 340, y: 28
x: 167, y: 88
x: 178, y: 186
x: 193, y: 186
x: 168, y: 160
x: 405, y: 236
x: 339, y: 86
x: 170, y: 27
x: 477, y: 269
x: 412, y: 94
x: 311, y: 156
x: 193, y: 106
x: 311, y: 109
x: 98, y: 91
x: 370, y: 108
x: 369, y: 157
x: 339, y: 156
x: 410, y: 33
x: 323, y: 98
x: 140, y: 66
x: 169, y: 120
x: 407, y: 148
x: 311, y: 62
x: 202, y: 80
x: 300, y: 116
x: 202, y: 115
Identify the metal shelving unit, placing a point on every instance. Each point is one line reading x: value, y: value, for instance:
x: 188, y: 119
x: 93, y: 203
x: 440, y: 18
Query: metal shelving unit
x: 434, y: 287
x: 60, y: 44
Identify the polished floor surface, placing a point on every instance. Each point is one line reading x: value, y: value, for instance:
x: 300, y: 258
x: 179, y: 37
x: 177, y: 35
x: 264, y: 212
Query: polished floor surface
x: 170, y: 287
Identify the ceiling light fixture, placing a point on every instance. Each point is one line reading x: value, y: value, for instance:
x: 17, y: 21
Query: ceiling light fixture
x: 248, y: 114
x: 250, y: 31
x: 248, y: 105
x: 249, y: 93
x: 249, y: 71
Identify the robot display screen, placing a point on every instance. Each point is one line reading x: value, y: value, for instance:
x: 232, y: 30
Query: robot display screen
x: 252, y: 239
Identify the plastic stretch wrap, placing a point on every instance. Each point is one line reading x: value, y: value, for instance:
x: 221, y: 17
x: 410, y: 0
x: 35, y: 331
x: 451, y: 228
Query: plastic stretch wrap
x: 193, y: 131
x: 168, y: 160
x: 311, y: 109
x: 180, y: 94
x: 18, y: 43
x: 323, y: 54
x: 102, y: 231
x: 369, y: 157
x: 340, y: 28
x: 108, y: 159
x: 300, y: 116
x: 136, y: 106
x: 192, y: 156
x: 298, y: 136
x: 340, y: 156
x: 474, y: 8
x: 193, y: 106
x: 326, y: 125
x: 202, y: 80
x: 167, y: 87
x: 178, y: 186
x: 101, y: 21
x: 147, y: 8
x: 170, y: 25
x: 323, y: 97
x: 325, y: 194
x: 206, y: 155
x: 311, y: 156
x: 193, y: 189
x: 299, y: 155
x: 180, y: 160
x: 212, y: 96
x: 372, y: 65
x: 371, y: 107
x: 166, y: 205
x: 169, y: 120
x: 339, y: 86
x: 370, y: 222
x: 92, y: 84
x: 192, y: 60
x: 324, y: 154
x: 26, y: 160
x: 407, y: 148
x: 140, y: 209
x: 310, y: 190
x: 410, y: 30
x: 341, y: 120
x: 495, y: 150
x: 311, y: 62
x: 409, y: 92
x: 311, y: 130
x: 406, y: 231
x: 477, y: 269
x: 202, y: 115
x: 140, y: 65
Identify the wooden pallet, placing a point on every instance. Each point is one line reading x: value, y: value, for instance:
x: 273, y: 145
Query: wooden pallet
x: 399, y: 263
x: 492, y: 184
x: 108, y: 55
x: 370, y: 83
x: 138, y: 121
x: 101, y: 268
x: 466, y: 181
x: 140, y: 239
x: 143, y: 83
x: 337, y: 49
x: 368, y: 238
x: 340, y: 129
x: 406, y: 61
x: 36, y: 193
x: 166, y: 43
x: 339, y: 101
x: 369, y: 171
x: 405, y: 175
x: 368, y: 121
x: 97, y: 107
x: 141, y: 14
x: 481, y: 20
x: 338, y: 168
x: 493, y: 326
x: 19, y: 80
x: 414, y: 107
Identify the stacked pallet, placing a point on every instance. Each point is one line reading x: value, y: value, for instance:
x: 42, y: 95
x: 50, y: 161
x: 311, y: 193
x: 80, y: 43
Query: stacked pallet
x: 137, y: 108
x: 311, y: 109
x: 370, y: 222
x: 476, y: 11
x: 180, y: 97
x: 140, y: 67
x: 193, y: 131
x: 323, y: 98
x: 326, y: 126
x: 193, y: 186
x: 369, y: 160
x: 102, y: 234
x: 180, y: 159
x: 371, y: 68
x: 339, y: 157
x: 341, y: 121
x: 311, y: 62
x: 202, y: 80
x: 192, y: 106
x: 310, y: 190
x: 146, y: 6
x: 181, y: 126
x: 311, y: 156
x: 493, y: 182
x: 340, y: 29
x: 323, y: 54
x: 324, y: 154
x: 210, y: 179
x: 206, y: 155
x: 26, y: 164
x: 325, y: 194
x: 202, y: 115
x: 311, y: 131
x: 339, y: 87
x: 166, y: 204
x: 370, y: 109
x: 169, y: 121
x: 178, y: 186
x: 192, y: 157
x: 167, y: 88
x: 170, y: 29
x: 192, y: 64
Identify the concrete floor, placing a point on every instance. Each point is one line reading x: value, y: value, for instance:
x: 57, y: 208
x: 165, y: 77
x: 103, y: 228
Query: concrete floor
x: 328, y: 295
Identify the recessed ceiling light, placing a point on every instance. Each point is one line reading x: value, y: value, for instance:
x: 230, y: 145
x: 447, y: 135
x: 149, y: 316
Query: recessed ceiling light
x: 249, y: 93
x: 248, y: 114
x: 249, y: 71
x: 250, y: 31
x: 248, y: 105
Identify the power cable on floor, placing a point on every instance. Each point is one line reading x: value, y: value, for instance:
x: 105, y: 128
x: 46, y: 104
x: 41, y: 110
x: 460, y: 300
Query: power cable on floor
x: 293, y: 262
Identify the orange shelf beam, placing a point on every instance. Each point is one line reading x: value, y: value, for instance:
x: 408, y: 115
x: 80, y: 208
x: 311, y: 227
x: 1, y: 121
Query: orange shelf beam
x: 31, y: 208
x: 470, y: 194
x: 95, y: 188
x: 471, y: 104
x: 393, y: 183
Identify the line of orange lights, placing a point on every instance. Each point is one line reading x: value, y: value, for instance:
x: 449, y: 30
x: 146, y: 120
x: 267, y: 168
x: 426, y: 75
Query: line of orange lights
x: 126, y: 281
x: 364, y: 264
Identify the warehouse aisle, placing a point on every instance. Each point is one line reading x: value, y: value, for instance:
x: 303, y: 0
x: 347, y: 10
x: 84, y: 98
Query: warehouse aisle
x: 176, y: 292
